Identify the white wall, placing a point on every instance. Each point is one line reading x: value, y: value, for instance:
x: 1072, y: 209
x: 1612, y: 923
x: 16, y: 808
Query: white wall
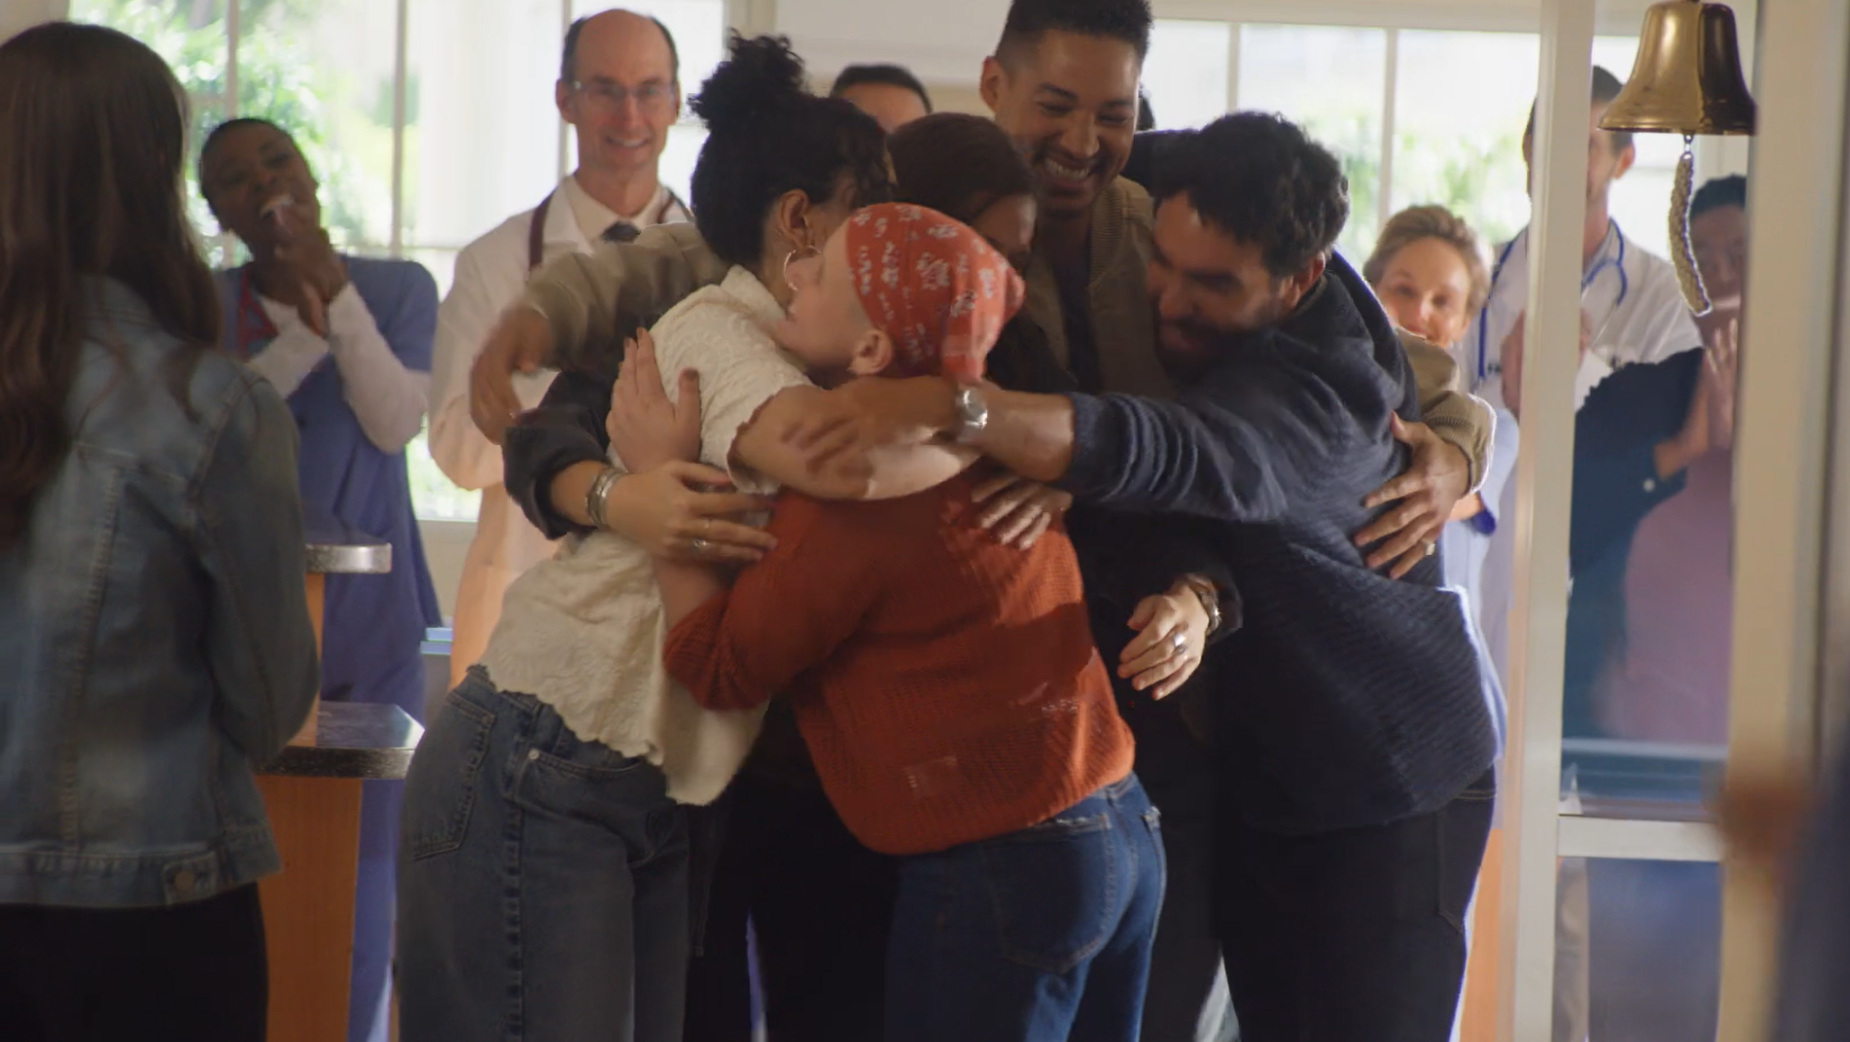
x: 942, y: 41
x: 945, y: 41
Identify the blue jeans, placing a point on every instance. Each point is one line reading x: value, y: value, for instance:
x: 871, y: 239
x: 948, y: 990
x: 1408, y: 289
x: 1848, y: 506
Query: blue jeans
x: 1041, y: 935
x: 542, y: 883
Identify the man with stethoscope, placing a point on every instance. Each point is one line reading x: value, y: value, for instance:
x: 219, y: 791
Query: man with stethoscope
x: 1632, y: 311
x: 619, y: 87
x: 1633, y: 320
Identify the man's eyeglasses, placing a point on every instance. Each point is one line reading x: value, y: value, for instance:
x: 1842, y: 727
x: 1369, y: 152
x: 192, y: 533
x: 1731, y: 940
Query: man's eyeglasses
x: 608, y: 96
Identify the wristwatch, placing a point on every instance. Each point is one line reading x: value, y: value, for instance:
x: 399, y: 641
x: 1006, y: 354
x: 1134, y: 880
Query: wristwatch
x: 972, y: 414
x: 1209, y: 595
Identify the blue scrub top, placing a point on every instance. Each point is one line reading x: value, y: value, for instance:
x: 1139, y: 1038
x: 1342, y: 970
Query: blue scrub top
x: 374, y: 624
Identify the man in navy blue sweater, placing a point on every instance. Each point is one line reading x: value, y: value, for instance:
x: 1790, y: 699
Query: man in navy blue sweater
x: 1353, y: 738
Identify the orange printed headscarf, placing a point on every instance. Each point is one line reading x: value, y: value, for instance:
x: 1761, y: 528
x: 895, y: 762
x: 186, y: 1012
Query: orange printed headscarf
x: 934, y: 286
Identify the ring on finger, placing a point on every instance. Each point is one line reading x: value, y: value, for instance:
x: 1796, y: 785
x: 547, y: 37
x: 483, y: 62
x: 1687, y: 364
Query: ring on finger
x: 1178, y: 640
x: 700, y: 546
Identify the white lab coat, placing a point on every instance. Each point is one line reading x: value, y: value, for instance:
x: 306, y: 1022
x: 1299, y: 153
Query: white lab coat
x: 1650, y: 324
x: 491, y: 272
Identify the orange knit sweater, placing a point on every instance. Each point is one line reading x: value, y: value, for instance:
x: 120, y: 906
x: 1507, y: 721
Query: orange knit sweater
x: 947, y: 685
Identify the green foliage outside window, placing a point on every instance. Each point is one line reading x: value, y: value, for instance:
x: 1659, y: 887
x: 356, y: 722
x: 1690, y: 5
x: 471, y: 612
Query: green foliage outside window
x: 277, y: 79
x: 280, y: 79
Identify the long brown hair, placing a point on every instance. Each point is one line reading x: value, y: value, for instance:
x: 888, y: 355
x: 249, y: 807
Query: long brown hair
x: 92, y: 144
x: 957, y: 164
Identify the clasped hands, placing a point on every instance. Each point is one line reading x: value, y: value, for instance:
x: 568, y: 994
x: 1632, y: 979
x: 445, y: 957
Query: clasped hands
x: 689, y: 511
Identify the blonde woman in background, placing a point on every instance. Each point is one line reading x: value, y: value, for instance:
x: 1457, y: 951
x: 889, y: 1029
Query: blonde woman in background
x: 1429, y: 271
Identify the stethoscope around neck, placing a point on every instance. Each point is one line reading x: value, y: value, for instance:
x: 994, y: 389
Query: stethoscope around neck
x: 1616, y: 261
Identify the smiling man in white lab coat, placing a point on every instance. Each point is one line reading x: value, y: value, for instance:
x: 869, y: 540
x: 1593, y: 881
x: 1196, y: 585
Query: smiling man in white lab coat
x: 619, y: 87
x: 1632, y: 312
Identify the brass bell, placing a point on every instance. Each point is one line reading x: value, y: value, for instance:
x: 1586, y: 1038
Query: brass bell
x: 1687, y: 78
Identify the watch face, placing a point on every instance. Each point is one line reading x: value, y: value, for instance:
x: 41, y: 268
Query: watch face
x: 972, y: 413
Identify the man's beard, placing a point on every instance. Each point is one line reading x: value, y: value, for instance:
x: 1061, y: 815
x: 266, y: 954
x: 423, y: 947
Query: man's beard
x: 1200, y: 346
x: 1202, y: 343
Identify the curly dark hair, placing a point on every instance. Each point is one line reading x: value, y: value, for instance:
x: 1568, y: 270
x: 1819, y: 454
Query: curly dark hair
x: 1717, y: 193
x: 768, y: 135
x: 1259, y: 178
x: 1028, y: 20
x: 216, y: 137
x: 883, y: 75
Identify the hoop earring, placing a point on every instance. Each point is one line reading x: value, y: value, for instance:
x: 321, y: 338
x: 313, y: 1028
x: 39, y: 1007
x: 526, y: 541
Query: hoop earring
x: 807, y: 252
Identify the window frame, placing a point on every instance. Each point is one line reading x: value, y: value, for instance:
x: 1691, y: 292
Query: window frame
x: 1714, y: 156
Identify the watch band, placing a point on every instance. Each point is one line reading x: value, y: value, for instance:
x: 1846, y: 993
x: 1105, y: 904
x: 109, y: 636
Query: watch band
x: 972, y: 414
x: 1209, y: 596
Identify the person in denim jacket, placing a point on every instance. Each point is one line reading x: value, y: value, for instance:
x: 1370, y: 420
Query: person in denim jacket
x: 153, y: 617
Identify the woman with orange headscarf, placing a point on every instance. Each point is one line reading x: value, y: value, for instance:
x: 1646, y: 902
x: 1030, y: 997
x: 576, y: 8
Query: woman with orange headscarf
x: 1002, y: 780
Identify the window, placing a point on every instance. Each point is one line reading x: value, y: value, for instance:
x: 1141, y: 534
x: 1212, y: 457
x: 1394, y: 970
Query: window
x: 1185, y: 75
x: 1462, y: 149
x: 325, y: 72
x: 195, y: 41
x: 417, y: 159
x: 478, y: 72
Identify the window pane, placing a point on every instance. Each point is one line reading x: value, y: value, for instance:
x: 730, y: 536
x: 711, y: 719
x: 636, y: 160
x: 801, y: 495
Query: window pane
x: 679, y: 158
x: 1186, y: 72
x: 195, y: 42
x: 1649, y: 615
x: 482, y: 131
x: 433, y: 498
x: 1462, y: 149
x: 440, y: 263
x: 1329, y: 79
x: 324, y: 73
x: 1638, y: 950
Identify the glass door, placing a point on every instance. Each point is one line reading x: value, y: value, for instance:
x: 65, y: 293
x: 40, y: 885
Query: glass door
x: 1667, y: 608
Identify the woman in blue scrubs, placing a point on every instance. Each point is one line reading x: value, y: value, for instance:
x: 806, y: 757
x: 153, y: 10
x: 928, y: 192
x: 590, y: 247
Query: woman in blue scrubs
x: 347, y: 341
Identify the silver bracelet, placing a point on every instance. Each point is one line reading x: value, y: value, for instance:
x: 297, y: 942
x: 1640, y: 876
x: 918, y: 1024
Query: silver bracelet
x: 598, y: 492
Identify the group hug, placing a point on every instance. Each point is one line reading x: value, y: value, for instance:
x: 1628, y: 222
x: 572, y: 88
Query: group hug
x: 1060, y: 597
x: 997, y: 592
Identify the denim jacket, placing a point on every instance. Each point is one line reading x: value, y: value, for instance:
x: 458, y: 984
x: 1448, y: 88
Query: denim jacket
x: 154, y: 630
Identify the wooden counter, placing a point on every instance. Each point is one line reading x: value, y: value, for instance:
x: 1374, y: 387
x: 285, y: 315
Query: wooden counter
x: 312, y: 793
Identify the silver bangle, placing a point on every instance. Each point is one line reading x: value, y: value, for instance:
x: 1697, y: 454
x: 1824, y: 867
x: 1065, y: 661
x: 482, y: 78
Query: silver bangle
x: 598, y: 492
